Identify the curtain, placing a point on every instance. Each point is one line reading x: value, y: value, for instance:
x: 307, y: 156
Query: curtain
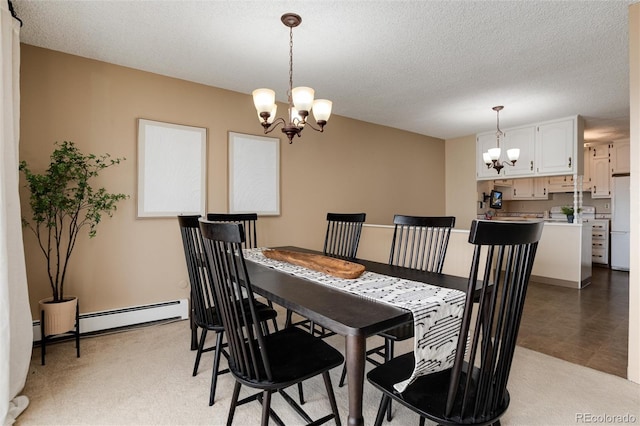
x: 16, y: 335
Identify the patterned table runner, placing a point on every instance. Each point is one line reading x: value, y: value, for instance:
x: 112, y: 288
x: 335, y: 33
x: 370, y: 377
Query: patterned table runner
x: 437, y: 311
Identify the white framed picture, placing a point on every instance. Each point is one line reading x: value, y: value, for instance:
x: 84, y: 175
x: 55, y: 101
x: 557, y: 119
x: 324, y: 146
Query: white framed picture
x: 172, y: 176
x: 254, y: 174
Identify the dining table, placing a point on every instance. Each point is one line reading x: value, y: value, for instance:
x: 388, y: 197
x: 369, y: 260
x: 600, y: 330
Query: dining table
x: 346, y: 314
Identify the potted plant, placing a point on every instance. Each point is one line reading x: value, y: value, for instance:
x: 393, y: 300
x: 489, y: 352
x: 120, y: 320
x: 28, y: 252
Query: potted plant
x: 569, y: 212
x: 63, y: 203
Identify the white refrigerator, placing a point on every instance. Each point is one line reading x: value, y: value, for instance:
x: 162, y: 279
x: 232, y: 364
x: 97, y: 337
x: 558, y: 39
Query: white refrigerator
x: 620, y: 219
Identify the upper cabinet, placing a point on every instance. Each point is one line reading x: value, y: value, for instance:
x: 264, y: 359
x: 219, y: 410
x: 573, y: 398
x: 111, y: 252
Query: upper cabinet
x: 586, y: 181
x: 529, y: 189
x: 560, y: 184
x: 556, y: 147
x: 522, y: 138
x: 620, y: 155
x: 546, y: 149
x: 599, y: 157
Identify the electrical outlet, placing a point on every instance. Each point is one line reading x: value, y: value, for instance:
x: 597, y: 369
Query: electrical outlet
x: 606, y: 205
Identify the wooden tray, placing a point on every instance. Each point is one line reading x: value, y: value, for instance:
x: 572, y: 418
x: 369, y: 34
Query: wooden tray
x: 329, y: 265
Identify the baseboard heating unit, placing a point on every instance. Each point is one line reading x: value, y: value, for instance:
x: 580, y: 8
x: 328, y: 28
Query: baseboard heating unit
x: 104, y: 320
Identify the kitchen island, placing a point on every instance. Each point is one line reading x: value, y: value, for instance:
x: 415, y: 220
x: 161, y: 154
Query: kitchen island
x: 563, y: 257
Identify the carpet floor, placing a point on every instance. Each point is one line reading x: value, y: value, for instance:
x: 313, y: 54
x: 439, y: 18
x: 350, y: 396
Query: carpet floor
x: 143, y: 376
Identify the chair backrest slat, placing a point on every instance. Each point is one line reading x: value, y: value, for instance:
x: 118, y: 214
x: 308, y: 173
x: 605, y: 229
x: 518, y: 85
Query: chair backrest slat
x: 248, y: 221
x: 203, y: 299
x: 343, y: 234
x: 508, y: 250
x: 420, y: 242
x: 223, y: 243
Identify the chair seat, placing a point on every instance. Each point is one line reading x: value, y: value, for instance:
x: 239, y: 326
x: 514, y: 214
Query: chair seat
x: 399, y: 333
x: 427, y: 395
x: 264, y: 313
x: 295, y: 355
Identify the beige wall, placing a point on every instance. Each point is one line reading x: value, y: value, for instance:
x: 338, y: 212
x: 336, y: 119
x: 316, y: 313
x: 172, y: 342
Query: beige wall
x: 353, y: 166
x: 460, y: 180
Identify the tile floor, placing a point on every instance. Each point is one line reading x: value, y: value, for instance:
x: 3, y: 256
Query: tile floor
x: 587, y: 327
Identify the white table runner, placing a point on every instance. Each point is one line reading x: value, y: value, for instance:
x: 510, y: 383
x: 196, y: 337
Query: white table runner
x: 437, y: 311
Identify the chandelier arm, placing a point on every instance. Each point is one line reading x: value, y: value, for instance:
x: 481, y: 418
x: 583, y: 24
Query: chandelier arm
x: 320, y: 129
x: 268, y: 128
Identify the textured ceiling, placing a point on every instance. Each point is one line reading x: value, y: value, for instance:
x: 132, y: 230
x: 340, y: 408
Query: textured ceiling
x: 430, y: 67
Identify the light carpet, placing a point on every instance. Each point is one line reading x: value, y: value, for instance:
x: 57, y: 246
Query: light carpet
x: 143, y: 377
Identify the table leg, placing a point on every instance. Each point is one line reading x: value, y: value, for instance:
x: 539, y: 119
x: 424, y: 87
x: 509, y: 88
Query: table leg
x: 355, y: 348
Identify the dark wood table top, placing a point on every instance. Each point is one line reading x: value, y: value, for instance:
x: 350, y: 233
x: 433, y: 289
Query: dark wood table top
x: 340, y: 311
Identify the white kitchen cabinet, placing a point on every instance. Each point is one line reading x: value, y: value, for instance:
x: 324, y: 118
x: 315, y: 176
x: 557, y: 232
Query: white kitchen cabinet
x: 586, y: 179
x: 503, y: 182
x: 556, y: 147
x: 600, y: 241
x: 546, y: 149
x: 599, y: 160
x: 619, y: 151
x: 529, y: 189
x: 556, y: 184
x: 522, y: 138
x: 540, y: 191
x: 600, y: 151
x: 600, y: 178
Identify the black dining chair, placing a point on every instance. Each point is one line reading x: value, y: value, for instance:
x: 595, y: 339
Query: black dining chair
x: 205, y: 314
x: 474, y: 390
x: 343, y: 234
x: 268, y: 362
x: 419, y: 242
x: 342, y: 239
x: 248, y: 221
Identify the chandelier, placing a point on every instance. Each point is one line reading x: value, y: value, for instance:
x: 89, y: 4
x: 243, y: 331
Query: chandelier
x: 300, y: 99
x: 492, y: 157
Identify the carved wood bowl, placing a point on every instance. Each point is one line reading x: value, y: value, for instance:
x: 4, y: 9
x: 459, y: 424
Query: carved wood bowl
x: 329, y: 265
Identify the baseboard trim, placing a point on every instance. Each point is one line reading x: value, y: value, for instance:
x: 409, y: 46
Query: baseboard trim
x: 92, y: 322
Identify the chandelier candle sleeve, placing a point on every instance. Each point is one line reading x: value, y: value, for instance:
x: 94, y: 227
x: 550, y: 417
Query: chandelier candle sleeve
x: 322, y: 110
x: 264, y: 99
x: 303, y: 98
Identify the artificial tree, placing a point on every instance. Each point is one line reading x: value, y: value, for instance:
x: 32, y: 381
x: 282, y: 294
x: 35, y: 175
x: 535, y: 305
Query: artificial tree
x: 63, y: 203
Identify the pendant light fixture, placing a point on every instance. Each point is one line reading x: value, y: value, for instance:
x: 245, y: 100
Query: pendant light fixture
x: 301, y: 100
x: 492, y: 157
